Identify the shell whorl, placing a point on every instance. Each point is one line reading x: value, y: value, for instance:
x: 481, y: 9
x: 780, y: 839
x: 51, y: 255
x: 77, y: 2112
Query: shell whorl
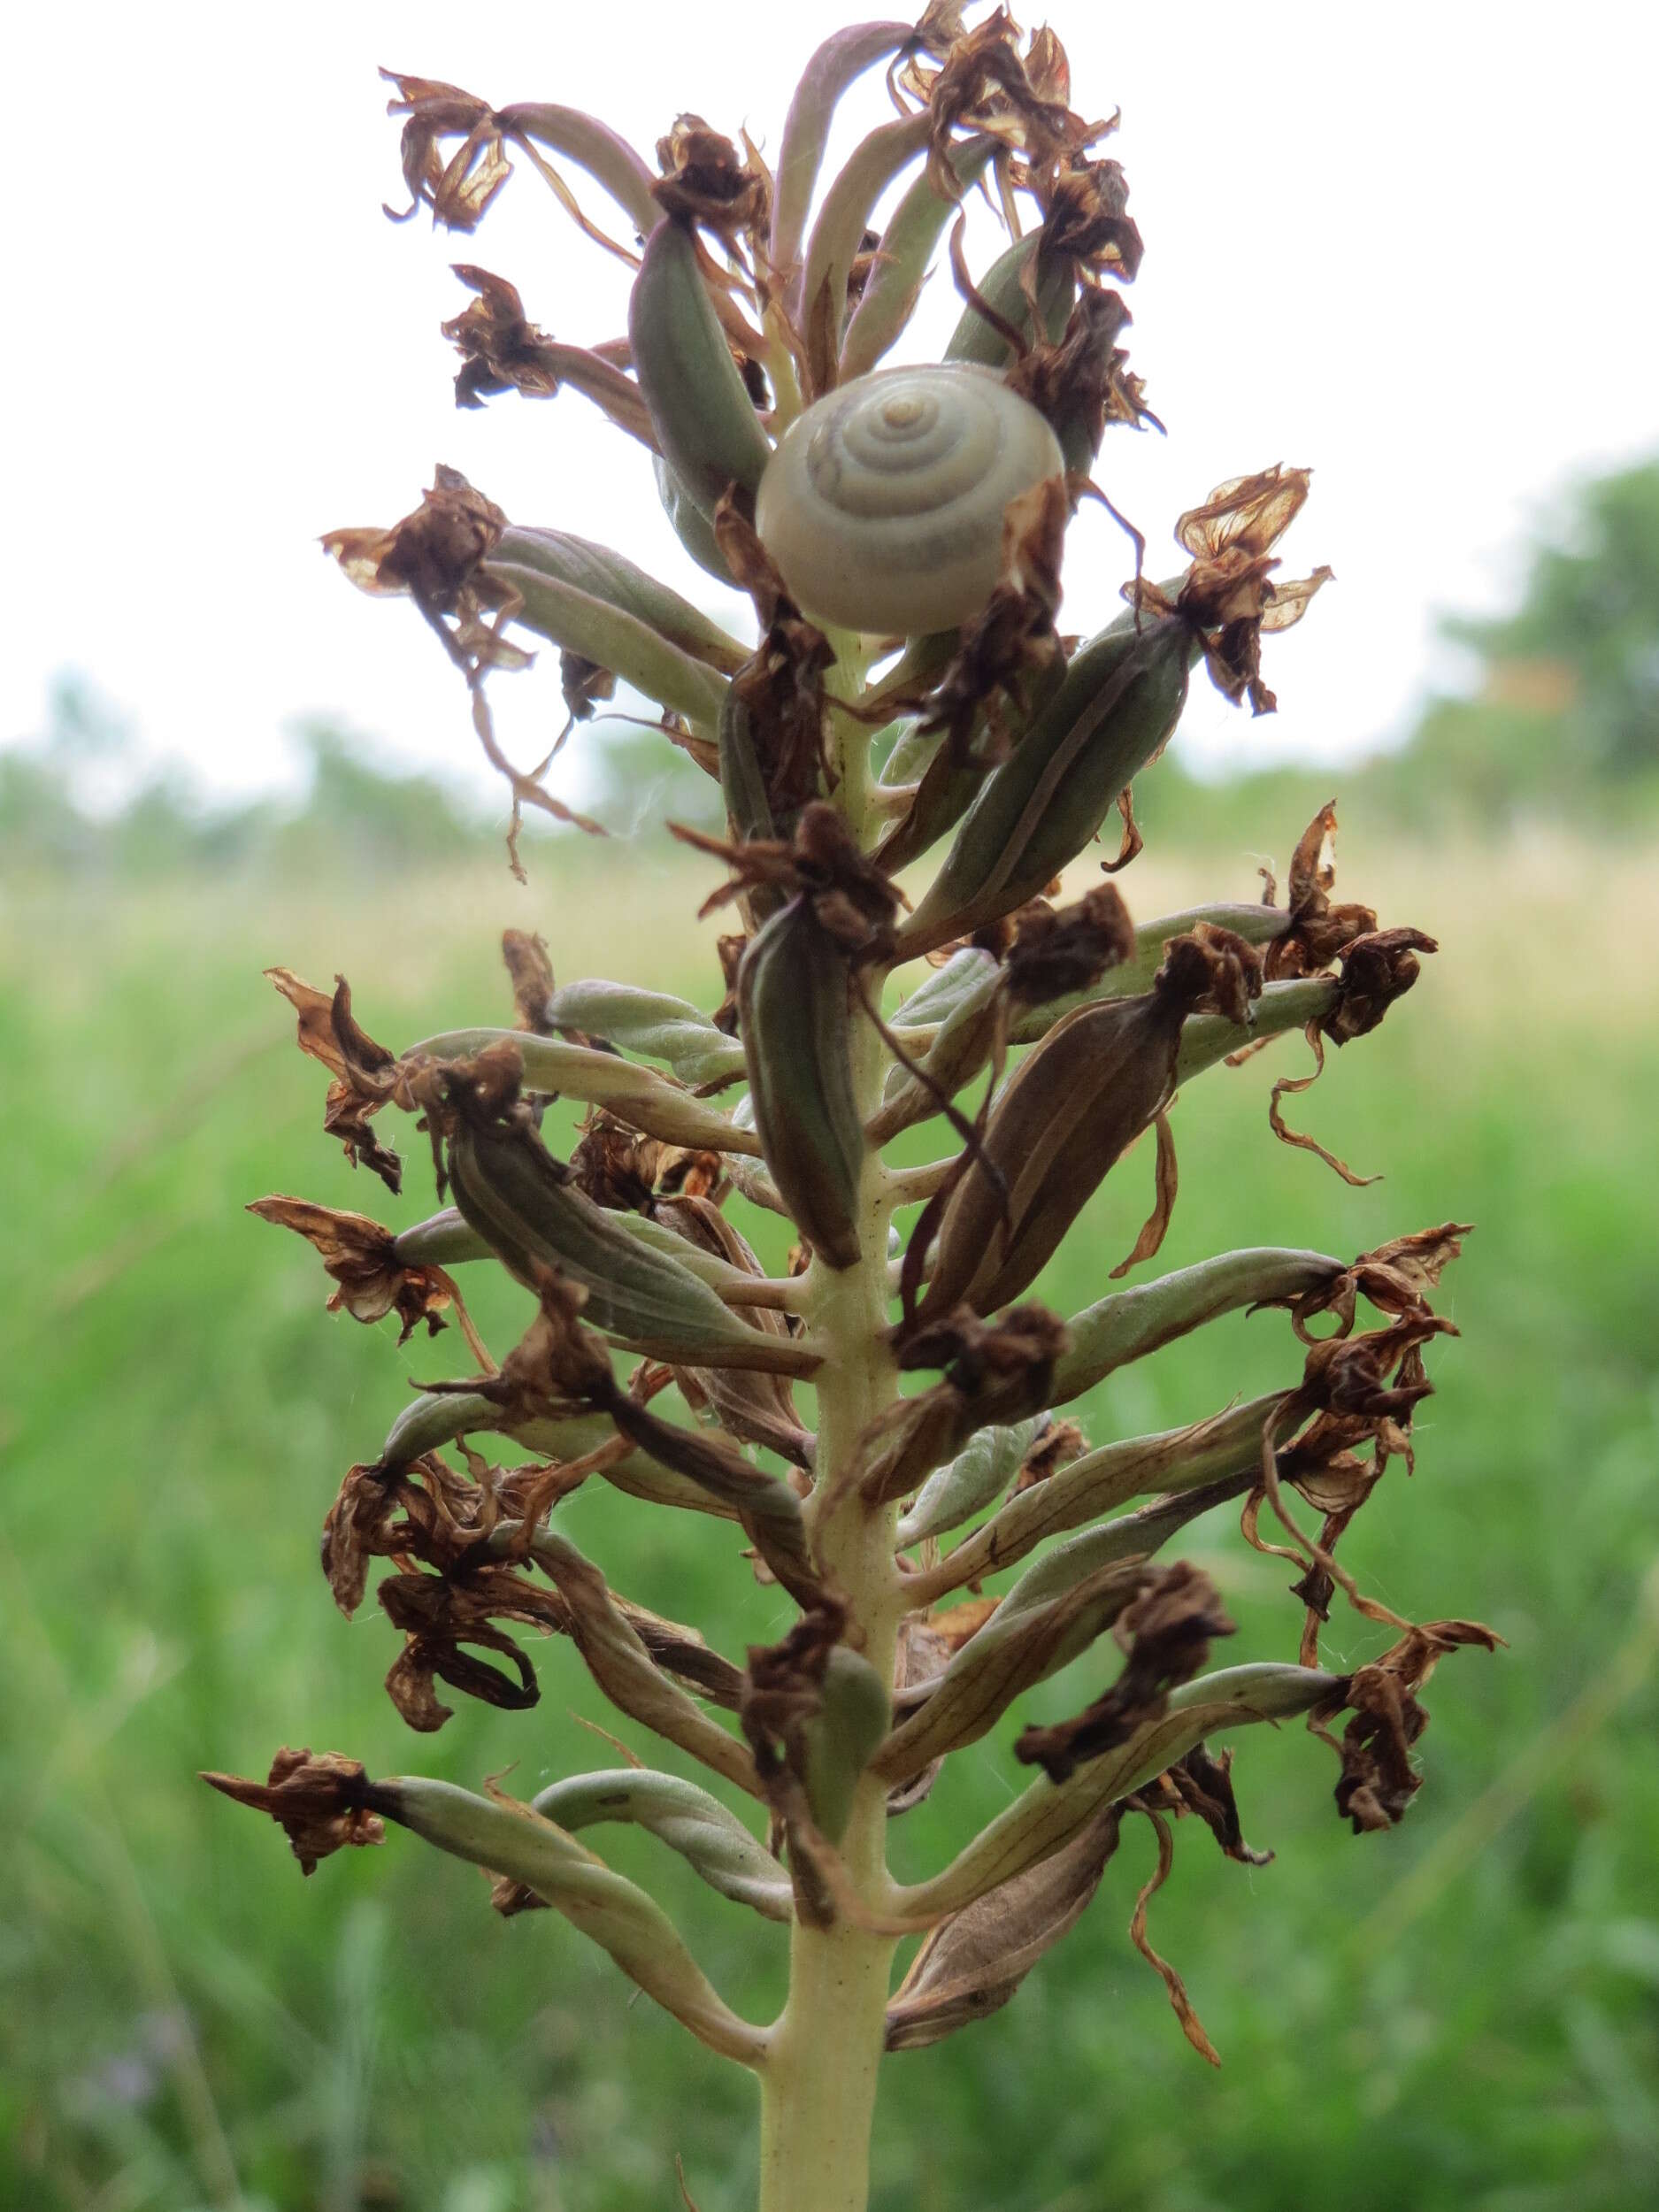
x: 883, y: 504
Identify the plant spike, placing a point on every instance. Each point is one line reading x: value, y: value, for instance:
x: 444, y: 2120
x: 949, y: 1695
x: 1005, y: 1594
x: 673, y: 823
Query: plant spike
x: 1047, y: 1037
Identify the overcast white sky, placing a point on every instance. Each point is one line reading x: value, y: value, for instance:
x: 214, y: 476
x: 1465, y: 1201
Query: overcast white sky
x: 1411, y: 245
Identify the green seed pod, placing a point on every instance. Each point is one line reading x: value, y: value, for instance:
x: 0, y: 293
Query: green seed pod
x: 1070, y: 1109
x: 511, y: 1191
x: 949, y: 782
x: 443, y: 1239
x: 713, y: 1842
x: 795, y: 1011
x: 843, y: 1737
x: 1002, y: 287
x: 433, y: 1420
x: 691, y: 525
x: 637, y: 1095
x: 601, y: 573
x: 895, y: 285
x: 1120, y: 700
x: 611, y: 637
x: 743, y: 785
x: 705, y: 423
x: 976, y: 1477
x: 652, y: 1025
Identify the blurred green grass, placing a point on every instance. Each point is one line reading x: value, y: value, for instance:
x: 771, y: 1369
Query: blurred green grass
x: 1462, y: 2014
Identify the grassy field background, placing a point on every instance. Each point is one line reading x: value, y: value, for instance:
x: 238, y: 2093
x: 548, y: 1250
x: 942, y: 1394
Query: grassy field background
x: 1462, y: 2014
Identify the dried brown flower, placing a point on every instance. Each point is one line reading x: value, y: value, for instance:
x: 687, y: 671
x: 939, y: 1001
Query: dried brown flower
x: 364, y: 1071
x: 319, y: 1801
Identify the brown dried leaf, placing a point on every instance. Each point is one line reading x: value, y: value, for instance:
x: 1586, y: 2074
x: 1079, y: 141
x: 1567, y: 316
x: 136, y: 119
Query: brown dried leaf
x: 434, y: 553
x: 1056, y: 1446
x: 984, y: 84
x: 1377, y: 969
x: 1289, y: 1085
x: 1229, y: 595
x: 1082, y: 382
x: 783, y: 1694
x: 1319, y: 931
x: 995, y: 1372
x: 1201, y: 1784
x: 456, y: 188
x: 1085, y: 218
x: 851, y: 899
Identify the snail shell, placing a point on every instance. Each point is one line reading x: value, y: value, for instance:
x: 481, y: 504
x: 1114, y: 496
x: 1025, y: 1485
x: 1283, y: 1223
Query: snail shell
x: 883, y: 504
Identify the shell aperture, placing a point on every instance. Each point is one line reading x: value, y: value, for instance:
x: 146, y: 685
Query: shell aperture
x: 883, y: 504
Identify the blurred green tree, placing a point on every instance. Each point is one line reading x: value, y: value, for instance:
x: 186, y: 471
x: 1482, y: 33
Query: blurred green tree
x: 1565, y: 714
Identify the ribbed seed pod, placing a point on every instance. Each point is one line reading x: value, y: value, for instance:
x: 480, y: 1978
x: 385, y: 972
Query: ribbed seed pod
x: 1120, y: 701
x: 704, y: 420
x: 604, y: 574
x: 794, y: 1012
x: 1070, y: 1109
x: 511, y: 1190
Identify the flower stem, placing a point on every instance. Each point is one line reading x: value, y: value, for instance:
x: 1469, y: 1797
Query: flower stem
x: 819, y: 2084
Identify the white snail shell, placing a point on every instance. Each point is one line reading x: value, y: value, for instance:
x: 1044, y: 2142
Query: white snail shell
x: 883, y: 504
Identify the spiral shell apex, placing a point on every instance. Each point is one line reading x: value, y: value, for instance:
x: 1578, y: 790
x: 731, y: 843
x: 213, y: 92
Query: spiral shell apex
x: 883, y: 504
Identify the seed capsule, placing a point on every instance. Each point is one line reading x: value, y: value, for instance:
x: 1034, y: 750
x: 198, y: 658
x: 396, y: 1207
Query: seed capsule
x: 704, y: 420
x: 513, y: 1194
x: 795, y: 1011
x: 1120, y: 701
x: 1072, y: 1109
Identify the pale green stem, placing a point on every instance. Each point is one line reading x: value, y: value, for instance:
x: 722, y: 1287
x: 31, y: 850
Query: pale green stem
x: 786, y: 386
x: 818, y: 2082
